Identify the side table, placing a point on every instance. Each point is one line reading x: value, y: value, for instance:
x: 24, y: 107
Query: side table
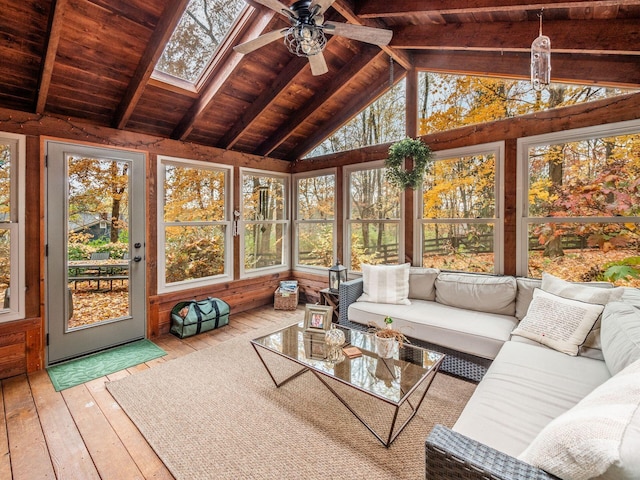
x: 327, y: 297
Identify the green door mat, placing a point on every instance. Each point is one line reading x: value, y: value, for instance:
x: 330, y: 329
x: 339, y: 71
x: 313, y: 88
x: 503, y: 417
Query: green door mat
x: 81, y: 370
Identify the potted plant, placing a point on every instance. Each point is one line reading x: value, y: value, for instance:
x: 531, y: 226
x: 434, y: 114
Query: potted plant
x: 387, y: 338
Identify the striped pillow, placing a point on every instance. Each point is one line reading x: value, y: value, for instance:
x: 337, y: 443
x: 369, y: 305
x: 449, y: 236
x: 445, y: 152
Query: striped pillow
x: 385, y: 284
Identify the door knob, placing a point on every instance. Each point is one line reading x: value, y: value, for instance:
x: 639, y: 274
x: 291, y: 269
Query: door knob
x: 137, y: 258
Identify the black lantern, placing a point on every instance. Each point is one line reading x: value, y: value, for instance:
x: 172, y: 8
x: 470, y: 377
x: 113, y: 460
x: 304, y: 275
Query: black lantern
x: 337, y: 275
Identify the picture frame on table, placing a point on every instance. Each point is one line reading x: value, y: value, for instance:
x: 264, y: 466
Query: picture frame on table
x: 317, y: 318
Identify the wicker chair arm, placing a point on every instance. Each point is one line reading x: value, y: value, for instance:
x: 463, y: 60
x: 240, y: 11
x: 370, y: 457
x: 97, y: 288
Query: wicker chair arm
x: 348, y: 293
x: 452, y: 455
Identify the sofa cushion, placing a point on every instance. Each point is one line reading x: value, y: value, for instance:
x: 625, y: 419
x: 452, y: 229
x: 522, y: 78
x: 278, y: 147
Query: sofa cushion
x: 525, y: 388
x: 483, y: 293
x: 385, y: 284
x: 593, y: 439
x: 422, y: 283
x: 620, y: 335
x: 583, y: 292
x: 526, y: 286
x: 557, y: 322
x: 477, y: 333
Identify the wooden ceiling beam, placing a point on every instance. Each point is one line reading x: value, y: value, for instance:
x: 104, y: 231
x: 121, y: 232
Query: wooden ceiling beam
x: 44, y: 82
x: 222, y: 68
x: 601, y: 70
x: 350, y: 110
x: 334, y: 87
x: 344, y: 9
x: 159, y: 38
x: 386, y: 8
x: 612, y: 37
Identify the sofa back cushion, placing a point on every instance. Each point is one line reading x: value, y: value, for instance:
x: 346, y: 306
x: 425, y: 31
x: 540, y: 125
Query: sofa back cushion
x: 385, y: 284
x: 526, y: 286
x: 422, y: 283
x: 598, y: 438
x: 620, y: 335
x: 482, y: 293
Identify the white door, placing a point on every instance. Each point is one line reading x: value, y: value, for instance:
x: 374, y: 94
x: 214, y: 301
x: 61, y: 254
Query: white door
x: 95, y: 266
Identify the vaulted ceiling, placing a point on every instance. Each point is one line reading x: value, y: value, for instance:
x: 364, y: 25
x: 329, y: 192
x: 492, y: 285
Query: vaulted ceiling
x: 93, y: 60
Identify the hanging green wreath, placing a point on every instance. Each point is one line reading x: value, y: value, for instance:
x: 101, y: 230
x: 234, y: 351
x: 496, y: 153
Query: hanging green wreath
x: 407, y: 148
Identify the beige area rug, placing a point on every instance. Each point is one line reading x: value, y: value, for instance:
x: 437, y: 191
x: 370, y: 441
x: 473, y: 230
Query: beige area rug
x: 216, y: 414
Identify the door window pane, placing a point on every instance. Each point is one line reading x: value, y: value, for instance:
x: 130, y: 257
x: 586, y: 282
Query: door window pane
x: 98, y: 240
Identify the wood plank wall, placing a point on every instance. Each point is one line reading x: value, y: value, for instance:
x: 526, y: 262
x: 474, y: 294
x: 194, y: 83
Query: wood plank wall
x: 22, y: 342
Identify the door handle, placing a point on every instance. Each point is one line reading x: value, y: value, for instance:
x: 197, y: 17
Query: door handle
x: 137, y: 258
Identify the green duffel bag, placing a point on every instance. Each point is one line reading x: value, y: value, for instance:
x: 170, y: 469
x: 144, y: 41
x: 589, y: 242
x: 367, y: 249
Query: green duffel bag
x: 192, y: 317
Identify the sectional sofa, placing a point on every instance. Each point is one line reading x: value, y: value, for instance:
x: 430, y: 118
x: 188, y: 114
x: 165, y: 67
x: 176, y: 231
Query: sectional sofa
x: 558, y: 366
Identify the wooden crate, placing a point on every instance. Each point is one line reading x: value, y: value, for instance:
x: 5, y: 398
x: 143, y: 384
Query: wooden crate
x: 285, y: 301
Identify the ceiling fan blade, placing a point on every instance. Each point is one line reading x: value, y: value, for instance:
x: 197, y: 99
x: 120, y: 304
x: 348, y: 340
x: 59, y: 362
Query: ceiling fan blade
x: 260, y: 41
x: 275, y: 5
x: 318, y: 64
x: 377, y: 36
x: 324, y: 4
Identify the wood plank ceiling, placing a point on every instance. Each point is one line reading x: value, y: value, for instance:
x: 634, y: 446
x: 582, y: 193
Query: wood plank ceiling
x: 93, y: 59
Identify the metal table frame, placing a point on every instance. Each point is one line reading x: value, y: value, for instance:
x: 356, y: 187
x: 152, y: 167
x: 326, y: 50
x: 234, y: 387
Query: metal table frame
x: 322, y: 376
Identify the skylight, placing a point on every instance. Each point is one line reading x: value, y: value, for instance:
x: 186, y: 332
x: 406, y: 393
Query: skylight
x: 203, y: 27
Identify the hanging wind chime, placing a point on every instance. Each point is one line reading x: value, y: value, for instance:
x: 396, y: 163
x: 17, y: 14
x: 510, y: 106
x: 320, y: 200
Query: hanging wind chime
x: 540, y: 60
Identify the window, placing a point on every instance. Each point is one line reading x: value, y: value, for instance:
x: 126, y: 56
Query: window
x: 382, y: 121
x: 12, y: 175
x: 315, y: 222
x: 264, y: 222
x: 201, y: 30
x: 194, y: 224
x: 579, y: 214
x: 450, y: 101
x: 374, y: 218
x: 458, y: 212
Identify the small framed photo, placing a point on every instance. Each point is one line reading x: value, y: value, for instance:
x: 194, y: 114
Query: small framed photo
x: 317, y: 318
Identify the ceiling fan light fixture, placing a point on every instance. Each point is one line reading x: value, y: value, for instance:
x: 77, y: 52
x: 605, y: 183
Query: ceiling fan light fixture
x: 305, y: 40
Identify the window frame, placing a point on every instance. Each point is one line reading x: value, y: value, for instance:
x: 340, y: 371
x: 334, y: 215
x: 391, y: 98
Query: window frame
x: 16, y: 227
x: 522, y: 203
x: 498, y: 150
x: 297, y: 221
x: 163, y: 286
x: 348, y: 221
x: 242, y: 224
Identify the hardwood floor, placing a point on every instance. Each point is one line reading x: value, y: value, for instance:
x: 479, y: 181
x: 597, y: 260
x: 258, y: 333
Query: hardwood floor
x: 81, y: 433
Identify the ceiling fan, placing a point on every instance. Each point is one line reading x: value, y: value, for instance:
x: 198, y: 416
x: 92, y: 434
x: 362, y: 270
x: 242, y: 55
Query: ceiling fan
x: 306, y: 35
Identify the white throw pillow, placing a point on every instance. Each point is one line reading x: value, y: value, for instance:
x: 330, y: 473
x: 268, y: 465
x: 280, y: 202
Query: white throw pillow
x: 557, y: 322
x: 597, y: 438
x: 590, y: 292
x: 385, y: 284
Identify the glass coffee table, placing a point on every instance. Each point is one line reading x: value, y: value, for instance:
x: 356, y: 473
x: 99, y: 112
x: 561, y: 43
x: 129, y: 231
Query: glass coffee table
x: 401, y: 381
